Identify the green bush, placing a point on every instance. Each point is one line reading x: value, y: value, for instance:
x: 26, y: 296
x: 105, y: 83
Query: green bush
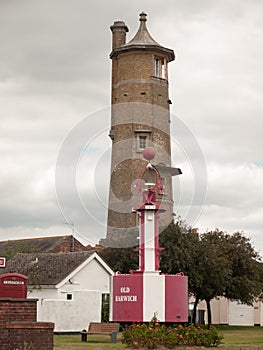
x: 153, y: 335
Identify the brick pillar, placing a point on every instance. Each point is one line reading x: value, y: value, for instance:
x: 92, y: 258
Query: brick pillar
x: 18, y: 325
x: 119, y: 30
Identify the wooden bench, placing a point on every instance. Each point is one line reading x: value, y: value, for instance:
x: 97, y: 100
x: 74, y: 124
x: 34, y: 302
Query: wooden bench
x: 111, y: 329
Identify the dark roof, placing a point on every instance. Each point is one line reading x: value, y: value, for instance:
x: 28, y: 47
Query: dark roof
x: 45, y: 268
x: 32, y: 245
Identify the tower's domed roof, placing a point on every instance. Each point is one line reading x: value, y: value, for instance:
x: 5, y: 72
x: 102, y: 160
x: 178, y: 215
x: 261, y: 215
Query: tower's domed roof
x: 142, y: 37
x: 143, y: 40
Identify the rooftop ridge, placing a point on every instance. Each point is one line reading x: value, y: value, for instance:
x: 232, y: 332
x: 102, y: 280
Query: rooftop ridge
x: 36, y: 238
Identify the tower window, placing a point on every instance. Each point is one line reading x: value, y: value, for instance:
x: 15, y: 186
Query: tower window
x: 160, y: 68
x: 142, y: 141
x: 157, y: 67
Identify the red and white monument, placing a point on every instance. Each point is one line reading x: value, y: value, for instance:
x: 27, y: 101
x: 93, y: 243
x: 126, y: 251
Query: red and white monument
x: 146, y: 292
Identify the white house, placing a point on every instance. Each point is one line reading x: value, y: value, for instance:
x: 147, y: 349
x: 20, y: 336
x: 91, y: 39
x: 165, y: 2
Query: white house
x: 70, y: 287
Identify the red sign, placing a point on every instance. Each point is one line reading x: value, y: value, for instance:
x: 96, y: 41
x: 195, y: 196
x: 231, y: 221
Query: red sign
x: 2, y: 262
x: 127, y: 298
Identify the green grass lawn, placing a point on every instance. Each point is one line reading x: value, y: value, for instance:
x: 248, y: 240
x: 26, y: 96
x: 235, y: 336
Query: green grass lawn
x: 235, y: 338
x: 67, y: 342
x: 243, y: 337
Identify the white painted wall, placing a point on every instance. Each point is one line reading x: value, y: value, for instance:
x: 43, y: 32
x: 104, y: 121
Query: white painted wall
x: 219, y: 310
x: 93, y: 277
x: 240, y: 314
x: 46, y: 293
x: 86, y: 287
x: 72, y: 315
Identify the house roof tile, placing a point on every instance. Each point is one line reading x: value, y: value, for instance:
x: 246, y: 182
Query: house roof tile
x: 45, y: 268
x: 33, y: 245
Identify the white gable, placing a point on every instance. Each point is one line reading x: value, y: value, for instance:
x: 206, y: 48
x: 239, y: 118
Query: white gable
x: 92, y: 274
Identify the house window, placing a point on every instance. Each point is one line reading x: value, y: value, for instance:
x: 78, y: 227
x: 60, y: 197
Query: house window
x: 69, y: 296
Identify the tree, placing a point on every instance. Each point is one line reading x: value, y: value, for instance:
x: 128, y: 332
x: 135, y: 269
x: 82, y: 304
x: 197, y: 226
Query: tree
x: 216, y: 263
x: 11, y: 251
x: 214, y: 269
x: 202, y: 260
x: 247, y: 270
x: 121, y: 259
x: 182, y: 254
x: 180, y: 250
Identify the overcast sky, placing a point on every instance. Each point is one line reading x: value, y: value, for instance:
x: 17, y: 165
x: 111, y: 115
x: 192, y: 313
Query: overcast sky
x: 55, y: 76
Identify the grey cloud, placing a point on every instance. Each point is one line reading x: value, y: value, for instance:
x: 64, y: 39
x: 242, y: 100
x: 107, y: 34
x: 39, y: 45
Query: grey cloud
x: 55, y: 70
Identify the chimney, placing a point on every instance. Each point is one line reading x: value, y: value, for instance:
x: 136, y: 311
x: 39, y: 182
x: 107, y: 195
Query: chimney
x: 119, y: 30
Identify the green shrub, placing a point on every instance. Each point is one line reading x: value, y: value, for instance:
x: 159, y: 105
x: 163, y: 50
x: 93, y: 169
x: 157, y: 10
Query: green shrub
x: 153, y: 335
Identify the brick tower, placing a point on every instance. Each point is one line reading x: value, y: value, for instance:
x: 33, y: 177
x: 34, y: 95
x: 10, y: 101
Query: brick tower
x: 140, y: 118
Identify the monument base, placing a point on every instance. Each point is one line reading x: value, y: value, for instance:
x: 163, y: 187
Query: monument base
x: 139, y: 296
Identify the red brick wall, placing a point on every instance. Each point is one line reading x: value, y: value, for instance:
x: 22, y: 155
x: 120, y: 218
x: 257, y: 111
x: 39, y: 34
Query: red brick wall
x: 18, y: 325
x: 17, y: 310
x: 36, y: 335
x: 69, y: 244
